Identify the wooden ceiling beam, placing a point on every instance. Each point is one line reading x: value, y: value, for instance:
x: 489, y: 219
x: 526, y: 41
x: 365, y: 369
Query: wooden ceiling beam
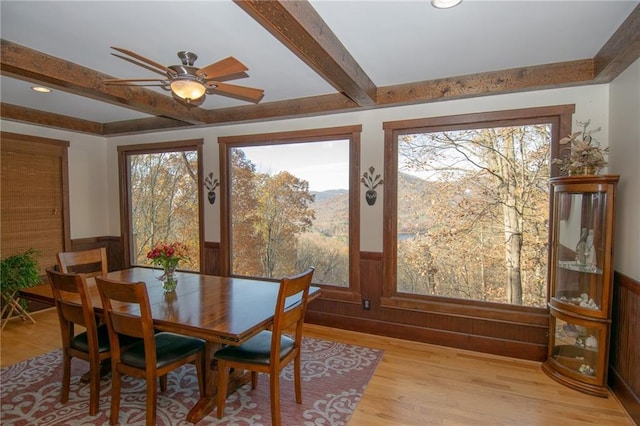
x: 141, y: 125
x: 297, y: 25
x: 49, y: 119
x: 620, y: 51
x: 27, y: 64
x: 294, y: 108
x: 563, y: 74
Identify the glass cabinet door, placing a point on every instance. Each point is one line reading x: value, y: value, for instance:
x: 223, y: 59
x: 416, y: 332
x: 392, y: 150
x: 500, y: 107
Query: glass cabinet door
x: 580, y: 249
x: 576, y: 347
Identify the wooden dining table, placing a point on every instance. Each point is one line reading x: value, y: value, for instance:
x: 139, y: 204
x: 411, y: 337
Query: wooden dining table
x: 220, y: 310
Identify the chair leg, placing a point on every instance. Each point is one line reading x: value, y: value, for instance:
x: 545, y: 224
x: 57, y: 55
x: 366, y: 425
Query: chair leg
x: 223, y: 381
x: 274, y: 395
x: 94, y: 387
x: 152, y: 397
x: 66, y: 376
x: 115, y: 395
x: 254, y: 379
x: 163, y: 383
x: 297, y: 378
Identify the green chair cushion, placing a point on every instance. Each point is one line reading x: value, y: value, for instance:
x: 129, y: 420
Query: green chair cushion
x: 256, y: 350
x: 81, y: 343
x: 170, y: 347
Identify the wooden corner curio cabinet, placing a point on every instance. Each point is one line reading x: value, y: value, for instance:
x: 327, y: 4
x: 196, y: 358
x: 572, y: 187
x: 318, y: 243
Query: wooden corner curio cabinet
x: 582, y: 229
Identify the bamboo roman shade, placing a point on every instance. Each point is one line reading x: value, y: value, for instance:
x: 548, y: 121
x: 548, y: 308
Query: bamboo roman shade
x: 32, y: 196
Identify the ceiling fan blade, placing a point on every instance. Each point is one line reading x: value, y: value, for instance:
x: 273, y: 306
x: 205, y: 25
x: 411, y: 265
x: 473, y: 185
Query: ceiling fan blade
x: 228, y: 77
x: 221, y: 68
x: 143, y: 59
x: 140, y: 64
x: 234, y: 91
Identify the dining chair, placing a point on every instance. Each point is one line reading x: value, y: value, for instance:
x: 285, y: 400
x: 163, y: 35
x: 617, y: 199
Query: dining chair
x: 154, y: 356
x: 92, y: 262
x: 91, y: 345
x: 270, y: 350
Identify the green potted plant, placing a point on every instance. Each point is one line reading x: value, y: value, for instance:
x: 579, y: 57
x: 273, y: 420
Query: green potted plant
x: 18, y: 271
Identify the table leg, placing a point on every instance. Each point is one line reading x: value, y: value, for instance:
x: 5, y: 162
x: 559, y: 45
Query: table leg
x: 105, y: 370
x: 207, y: 402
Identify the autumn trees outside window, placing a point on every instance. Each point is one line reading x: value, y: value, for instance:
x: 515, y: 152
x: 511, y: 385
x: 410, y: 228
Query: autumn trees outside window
x: 290, y: 205
x: 161, y: 198
x: 470, y: 215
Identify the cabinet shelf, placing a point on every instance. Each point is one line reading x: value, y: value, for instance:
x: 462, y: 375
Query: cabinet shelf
x: 582, y: 227
x: 572, y: 265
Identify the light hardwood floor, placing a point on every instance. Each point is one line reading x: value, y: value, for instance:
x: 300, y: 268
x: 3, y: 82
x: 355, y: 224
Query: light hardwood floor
x: 414, y: 384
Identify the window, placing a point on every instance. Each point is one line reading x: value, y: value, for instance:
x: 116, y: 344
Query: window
x: 161, y: 198
x: 471, y: 216
x: 290, y: 205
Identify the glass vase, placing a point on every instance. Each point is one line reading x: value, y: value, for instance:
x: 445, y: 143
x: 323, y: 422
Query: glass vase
x: 169, y: 279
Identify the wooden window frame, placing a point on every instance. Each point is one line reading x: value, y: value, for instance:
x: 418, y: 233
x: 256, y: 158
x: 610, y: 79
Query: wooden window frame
x: 351, y: 133
x: 560, y: 118
x: 125, y: 200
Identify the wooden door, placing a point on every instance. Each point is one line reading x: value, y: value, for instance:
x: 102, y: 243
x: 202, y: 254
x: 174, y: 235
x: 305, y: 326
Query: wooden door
x: 34, y: 197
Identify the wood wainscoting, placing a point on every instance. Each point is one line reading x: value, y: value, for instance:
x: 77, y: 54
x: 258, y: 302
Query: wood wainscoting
x: 447, y: 323
x: 624, y: 358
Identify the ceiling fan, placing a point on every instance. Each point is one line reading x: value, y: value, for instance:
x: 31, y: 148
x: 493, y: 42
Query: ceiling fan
x: 189, y: 83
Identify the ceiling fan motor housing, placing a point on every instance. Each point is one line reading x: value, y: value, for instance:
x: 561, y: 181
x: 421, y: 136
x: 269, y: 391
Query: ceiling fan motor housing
x: 187, y: 58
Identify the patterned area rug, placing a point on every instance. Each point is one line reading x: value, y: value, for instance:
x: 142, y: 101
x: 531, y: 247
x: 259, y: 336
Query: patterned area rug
x: 334, y: 376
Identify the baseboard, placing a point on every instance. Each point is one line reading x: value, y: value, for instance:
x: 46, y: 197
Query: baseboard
x: 439, y: 337
x: 629, y: 400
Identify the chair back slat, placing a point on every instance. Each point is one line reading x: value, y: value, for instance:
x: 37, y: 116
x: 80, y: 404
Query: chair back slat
x: 65, y: 287
x: 91, y: 262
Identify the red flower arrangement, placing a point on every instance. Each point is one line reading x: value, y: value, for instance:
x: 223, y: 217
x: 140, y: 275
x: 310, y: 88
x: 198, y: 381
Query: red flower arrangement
x: 168, y: 255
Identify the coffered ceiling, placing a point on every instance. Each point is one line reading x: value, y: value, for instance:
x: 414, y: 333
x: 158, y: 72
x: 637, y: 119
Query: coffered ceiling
x: 310, y: 57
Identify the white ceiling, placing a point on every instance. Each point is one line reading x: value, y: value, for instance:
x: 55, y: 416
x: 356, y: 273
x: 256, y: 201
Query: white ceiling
x: 393, y: 41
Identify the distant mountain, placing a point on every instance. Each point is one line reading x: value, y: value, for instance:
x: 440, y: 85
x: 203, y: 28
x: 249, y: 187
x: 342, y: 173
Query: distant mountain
x: 330, y: 193
x: 332, y: 211
x: 332, y: 206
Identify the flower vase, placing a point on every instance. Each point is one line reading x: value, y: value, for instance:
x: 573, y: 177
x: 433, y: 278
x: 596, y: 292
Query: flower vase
x: 169, y: 280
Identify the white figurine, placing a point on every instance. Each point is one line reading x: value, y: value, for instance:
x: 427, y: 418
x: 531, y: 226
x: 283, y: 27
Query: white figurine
x: 581, y: 248
x: 590, y: 250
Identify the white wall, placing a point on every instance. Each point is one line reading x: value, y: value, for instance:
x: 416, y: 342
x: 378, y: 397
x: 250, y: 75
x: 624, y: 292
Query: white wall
x: 94, y: 188
x: 624, y: 159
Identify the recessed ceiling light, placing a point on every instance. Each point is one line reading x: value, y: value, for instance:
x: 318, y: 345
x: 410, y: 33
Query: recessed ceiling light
x: 445, y: 4
x: 41, y: 89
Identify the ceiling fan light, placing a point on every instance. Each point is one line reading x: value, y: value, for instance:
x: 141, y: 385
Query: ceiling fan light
x: 445, y: 4
x: 188, y: 89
